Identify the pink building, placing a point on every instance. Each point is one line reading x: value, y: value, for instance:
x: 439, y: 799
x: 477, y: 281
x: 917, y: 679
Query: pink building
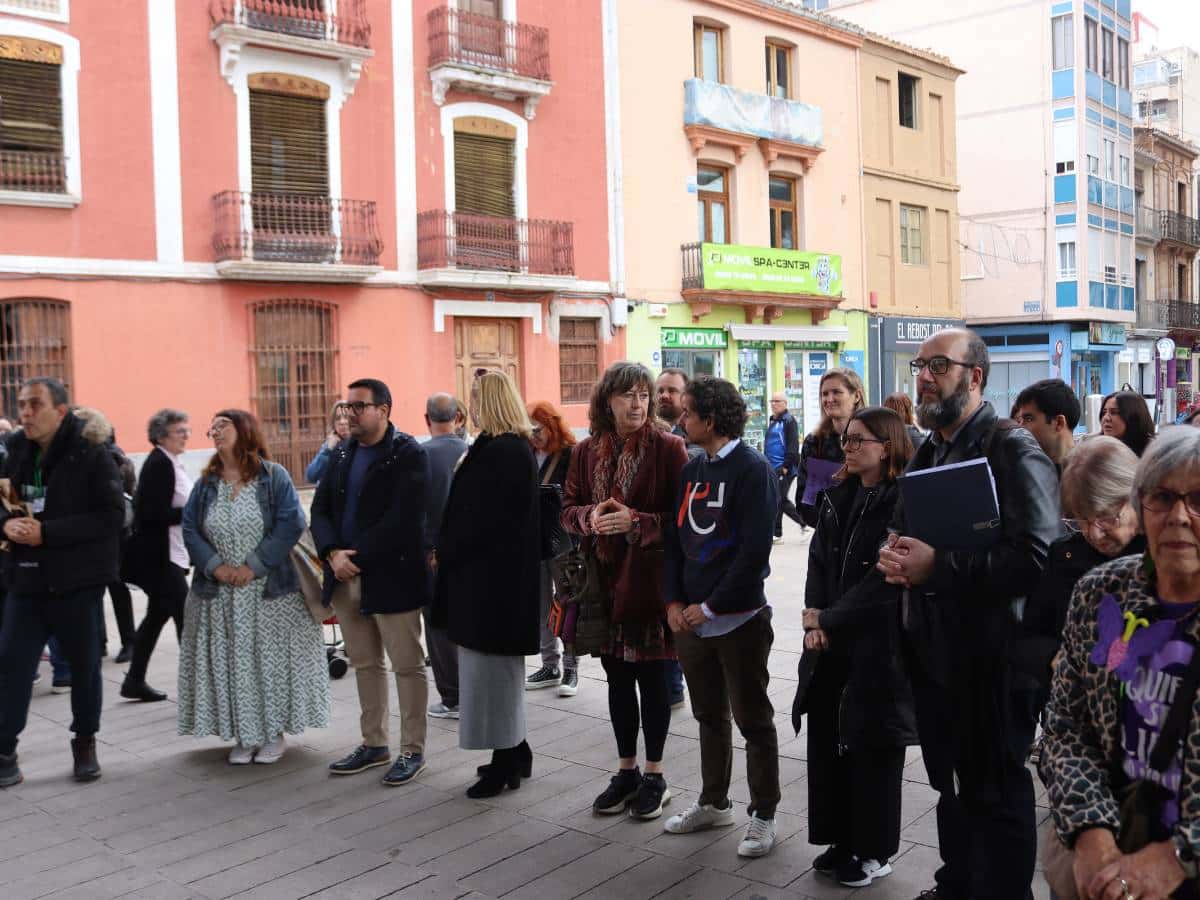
x: 252, y: 202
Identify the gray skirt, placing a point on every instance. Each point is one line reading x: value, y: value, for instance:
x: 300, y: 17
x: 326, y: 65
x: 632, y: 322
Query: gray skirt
x: 491, y: 700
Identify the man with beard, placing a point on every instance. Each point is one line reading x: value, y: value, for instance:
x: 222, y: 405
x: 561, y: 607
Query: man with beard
x: 961, y: 612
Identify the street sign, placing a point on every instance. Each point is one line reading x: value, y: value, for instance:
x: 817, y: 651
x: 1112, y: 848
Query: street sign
x: 1165, y: 347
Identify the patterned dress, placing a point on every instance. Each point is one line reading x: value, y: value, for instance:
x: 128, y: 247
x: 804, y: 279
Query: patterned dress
x: 250, y: 668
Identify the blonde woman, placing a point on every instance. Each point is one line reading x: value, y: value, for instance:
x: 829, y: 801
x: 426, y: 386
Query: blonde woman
x: 488, y: 568
x: 842, y: 395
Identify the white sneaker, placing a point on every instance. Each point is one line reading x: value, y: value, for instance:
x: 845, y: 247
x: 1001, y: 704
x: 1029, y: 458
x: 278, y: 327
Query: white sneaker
x: 759, y: 839
x: 242, y: 755
x: 272, y: 751
x: 861, y: 872
x: 698, y: 817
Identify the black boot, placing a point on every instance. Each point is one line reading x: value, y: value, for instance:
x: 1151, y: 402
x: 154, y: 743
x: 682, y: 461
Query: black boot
x: 87, y: 767
x: 139, y: 690
x: 10, y: 772
x: 524, y: 761
x: 503, y: 772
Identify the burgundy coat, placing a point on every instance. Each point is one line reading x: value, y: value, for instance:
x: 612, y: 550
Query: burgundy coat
x: 637, y: 569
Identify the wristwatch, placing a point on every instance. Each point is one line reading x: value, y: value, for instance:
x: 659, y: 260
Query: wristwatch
x: 1186, y: 856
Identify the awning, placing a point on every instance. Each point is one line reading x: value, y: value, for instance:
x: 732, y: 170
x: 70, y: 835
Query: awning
x: 832, y: 334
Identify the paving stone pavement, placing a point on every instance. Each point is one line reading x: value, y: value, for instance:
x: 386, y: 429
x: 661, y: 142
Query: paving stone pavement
x: 171, y: 819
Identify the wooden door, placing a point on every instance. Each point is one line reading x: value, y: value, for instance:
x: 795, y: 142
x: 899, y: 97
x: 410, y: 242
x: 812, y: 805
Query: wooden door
x: 481, y: 30
x: 493, y: 344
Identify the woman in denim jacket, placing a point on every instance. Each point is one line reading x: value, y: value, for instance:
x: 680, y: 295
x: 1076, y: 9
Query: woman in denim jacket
x: 252, y: 663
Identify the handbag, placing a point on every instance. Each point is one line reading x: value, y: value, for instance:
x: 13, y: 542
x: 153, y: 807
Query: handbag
x: 1141, y: 802
x: 311, y: 574
x: 580, y: 581
x: 554, y: 538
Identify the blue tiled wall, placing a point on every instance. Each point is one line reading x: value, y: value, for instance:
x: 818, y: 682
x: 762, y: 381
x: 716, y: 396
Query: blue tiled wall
x: 1064, y: 84
x: 1066, y: 293
x: 1064, y: 188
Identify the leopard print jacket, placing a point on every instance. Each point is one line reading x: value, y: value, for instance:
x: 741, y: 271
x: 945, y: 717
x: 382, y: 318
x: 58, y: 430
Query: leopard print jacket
x: 1083, y: 717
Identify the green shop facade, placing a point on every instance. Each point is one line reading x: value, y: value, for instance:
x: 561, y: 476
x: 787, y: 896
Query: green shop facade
x: 765, y: 319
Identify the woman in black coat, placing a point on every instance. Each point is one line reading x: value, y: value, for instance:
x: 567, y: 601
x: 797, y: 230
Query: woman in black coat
x: 488, y: 558
x: 156, y: 559
x: 842, y: 395
x: 858, y: 701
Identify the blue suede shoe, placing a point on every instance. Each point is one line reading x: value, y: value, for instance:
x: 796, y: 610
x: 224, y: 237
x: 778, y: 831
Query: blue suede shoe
x: 406, y: 767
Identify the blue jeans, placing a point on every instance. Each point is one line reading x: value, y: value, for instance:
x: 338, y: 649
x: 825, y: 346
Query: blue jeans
x: 58, y: 662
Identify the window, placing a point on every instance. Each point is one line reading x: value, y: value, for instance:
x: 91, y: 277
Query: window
x: 1127, y: 260
x: 908, y: 100
x: 1125, y: 170
x: 1090, y: 36
x: 1095, y: 258
x: 1110, y: 160
x: 1065, y: 147
x: 783, y: 213
x: 485, y: 231
x: 1106, y: 44
x: 578, y: 358
x: 710, y: 52
x: 1123, y: 63
x: 35, y: 339
x: 1062, y: 30
x: 31, y: 125
x: 712, y: 183
x: 1110, y: 257
x: 779, y: 79
x: 295, y: 377
x: 1066, y: 253
x: 912, y: 240
x: 1092, y: 137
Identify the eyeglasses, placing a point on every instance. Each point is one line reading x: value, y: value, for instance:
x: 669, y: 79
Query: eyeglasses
x: 636, y: 396
x: 855, y: 441
x: 938, y: 365
x: 1105, y: 524
x: 358, y: 406
x: 1163, y: 501
x: 217, y: 427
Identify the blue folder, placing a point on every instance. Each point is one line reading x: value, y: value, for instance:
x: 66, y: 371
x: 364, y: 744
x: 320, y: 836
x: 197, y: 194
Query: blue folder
x: 952, y: 507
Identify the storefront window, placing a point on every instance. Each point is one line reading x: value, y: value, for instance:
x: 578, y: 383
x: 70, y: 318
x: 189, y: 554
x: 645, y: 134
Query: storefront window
x: 694, y: 362
x: 753, y: 381
x: 793, y: 386
x: 1086, y: 374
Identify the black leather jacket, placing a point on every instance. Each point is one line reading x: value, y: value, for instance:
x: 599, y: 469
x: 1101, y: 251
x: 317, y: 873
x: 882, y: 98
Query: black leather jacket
x: 962, y: 624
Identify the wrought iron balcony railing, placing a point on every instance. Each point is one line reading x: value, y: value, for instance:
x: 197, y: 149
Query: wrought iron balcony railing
x: 299, y: 18
x: 295, y: 228
x: 36, y: 171
x: 485, y: 42
x: 1177, y: 227
x: 1179, y: 314
x: 494, y: 243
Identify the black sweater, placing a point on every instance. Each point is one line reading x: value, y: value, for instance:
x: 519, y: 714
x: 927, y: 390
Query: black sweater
x: 720, y: 547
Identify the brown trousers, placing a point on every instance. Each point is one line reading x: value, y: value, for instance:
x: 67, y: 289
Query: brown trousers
x: 731, y: 671
x: 367, y: 638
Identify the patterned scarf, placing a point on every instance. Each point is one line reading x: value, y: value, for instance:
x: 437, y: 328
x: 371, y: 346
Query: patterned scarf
x: 606, y: 483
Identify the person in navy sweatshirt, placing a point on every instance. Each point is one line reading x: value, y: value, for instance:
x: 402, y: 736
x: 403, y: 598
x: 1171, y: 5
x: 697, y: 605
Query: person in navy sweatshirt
x: 716, y: 562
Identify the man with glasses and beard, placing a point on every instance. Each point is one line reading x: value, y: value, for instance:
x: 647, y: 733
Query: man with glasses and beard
x: 961, y: 612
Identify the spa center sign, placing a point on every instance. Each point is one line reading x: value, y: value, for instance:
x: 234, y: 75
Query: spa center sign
x: 765, y: 270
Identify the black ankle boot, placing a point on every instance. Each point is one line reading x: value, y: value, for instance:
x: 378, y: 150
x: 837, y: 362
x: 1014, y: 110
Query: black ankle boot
x: 524, y: 761
x: 87, y: 767
x: 503, y: 772
x: 139, y: 690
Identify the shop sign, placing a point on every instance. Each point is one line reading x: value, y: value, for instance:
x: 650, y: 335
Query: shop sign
x: 917, y: 331
x: 768, y: 270
x: 756, y: 345
x: 1106, y: 333
x: 817, y: 364
x: 694, y: 338
x: 809, y: 345
x: 1032, y: 306
x: 855, y: 360
x: 1165, y: 347
x: 1184, y: 353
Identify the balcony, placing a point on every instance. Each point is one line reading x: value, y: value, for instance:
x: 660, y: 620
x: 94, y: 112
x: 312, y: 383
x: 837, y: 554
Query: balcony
x: 1179, y: 228
x: 506, y: 60
x: 763, y: 280
x: 55, y: 10
x: 1180, y: 315
x: 294, y: 237
x: 35, y: 171
x: 723, y: 115
x: 337, y: 29
x: 467, y: 250
x: 1147, y: 227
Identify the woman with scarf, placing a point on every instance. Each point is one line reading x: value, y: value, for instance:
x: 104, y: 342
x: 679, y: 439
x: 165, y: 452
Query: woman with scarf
x: 619, y: 496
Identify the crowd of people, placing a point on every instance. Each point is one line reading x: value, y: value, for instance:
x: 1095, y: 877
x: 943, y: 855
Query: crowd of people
x: 647, y: 544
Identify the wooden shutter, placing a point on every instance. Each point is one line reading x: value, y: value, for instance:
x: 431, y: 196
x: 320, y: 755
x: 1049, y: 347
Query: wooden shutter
x: 289, y: 149
x: 578, y: 358
x: 30, y: 106
x: 35, y: 339
x: 484, y: 167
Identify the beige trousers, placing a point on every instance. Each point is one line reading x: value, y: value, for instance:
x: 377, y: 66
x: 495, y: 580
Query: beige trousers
x: 367, y: 638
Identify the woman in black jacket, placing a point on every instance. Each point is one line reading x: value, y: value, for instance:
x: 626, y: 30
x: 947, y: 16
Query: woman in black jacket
x: 488, y: 559
x: 842, y: 395
x: 859, y: 705
x: 156, y: 559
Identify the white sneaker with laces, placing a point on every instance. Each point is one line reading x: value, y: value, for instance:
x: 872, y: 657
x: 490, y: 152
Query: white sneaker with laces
x: 241, y: 755
x: 698, y: 817
x: 272, y: 751
x: 759, y: 839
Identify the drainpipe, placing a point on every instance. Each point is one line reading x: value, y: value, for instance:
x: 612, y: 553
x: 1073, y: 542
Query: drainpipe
x: 614, y: 164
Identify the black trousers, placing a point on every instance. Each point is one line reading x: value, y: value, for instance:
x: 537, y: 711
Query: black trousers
x: 988, y: 844
x: 853, y: 795
x: 443, y: 657
x: 786, y: 506
x: 74, y: 618
x: 626, y: 680
x: 122, y: 604
x: 163, y: 603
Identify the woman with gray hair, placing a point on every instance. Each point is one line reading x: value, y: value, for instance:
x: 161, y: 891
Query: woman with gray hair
x: 157, y: 557
x: 1122, y: 753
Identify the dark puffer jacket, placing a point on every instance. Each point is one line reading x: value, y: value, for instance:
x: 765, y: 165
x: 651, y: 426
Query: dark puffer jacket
x: 864, y: 660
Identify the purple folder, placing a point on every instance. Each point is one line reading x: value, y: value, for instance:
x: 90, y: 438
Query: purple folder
x: 820, y: 476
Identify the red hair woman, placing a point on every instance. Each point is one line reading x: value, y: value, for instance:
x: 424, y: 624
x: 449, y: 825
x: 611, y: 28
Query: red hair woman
x: 552, y: 440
